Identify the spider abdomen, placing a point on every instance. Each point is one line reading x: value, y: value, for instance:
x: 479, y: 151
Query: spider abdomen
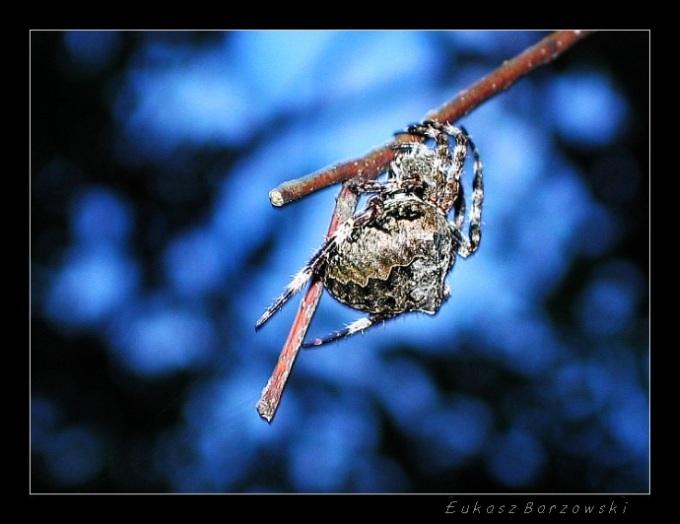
x: 396, y: 262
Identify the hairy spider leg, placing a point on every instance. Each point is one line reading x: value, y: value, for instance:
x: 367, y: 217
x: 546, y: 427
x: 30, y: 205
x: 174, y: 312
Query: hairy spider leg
x: 298, y: 282
x: 458, y: 209
x: 454, y: 191
x: 371, y: 186
x: 358, y: 325
x: 452, y: 164
x: 395, y: 183
x: 449, y: 167
x: 470, y: 244
x: 319, y: 259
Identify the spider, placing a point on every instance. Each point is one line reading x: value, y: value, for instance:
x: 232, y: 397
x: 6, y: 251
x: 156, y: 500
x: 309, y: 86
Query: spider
x: 394, y: 255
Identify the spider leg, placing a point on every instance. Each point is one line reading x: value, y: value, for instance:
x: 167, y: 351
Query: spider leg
x: 470, y: 244
x: 316, y: 263
x: 459, y: 209
x: 454, y: 163
x: 450, y: 164
x: 369, y: 186
x: 396, y: 181
x: 427, y: 129
x: 358, y: 325
x: 298, y: 282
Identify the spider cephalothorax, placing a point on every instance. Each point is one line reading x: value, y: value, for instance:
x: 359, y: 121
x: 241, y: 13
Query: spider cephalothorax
x: 393, y: 256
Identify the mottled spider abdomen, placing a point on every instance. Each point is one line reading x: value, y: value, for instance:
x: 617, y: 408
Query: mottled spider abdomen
x: 396, y: 262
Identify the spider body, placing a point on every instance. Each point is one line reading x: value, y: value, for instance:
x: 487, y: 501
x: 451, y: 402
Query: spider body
x: 394, y: 255
x: 396, y: 262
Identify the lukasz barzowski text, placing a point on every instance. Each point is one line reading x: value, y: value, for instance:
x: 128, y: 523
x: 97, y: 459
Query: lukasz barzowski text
x: 618, y: 508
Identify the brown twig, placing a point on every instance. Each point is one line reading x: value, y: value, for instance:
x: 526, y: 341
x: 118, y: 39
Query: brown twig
x: 376, y: 161
x: 370, y: 166
x: 271, y: 395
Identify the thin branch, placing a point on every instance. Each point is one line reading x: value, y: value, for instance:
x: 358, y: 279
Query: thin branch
x: 271, y: 394
x: 370, y: 166
x: 375, y: 162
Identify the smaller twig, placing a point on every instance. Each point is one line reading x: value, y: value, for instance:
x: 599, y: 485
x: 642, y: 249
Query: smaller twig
x: 271, y: 394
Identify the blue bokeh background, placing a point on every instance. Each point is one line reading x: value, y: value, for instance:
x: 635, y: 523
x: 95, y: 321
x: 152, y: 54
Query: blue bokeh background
x: 154, y: 249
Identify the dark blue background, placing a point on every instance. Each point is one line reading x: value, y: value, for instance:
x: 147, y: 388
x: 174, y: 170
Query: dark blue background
x: 154, y: 249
